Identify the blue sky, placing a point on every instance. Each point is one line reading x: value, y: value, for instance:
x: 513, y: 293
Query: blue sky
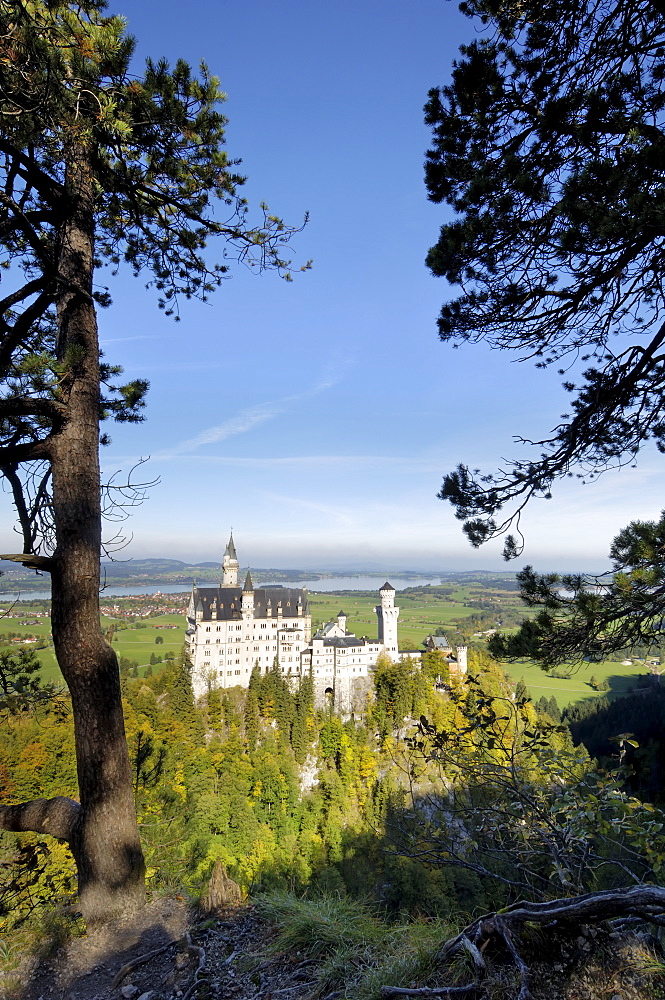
x: 317, y: 418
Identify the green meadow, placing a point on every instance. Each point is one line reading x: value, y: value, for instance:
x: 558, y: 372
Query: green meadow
x: 576, y: 686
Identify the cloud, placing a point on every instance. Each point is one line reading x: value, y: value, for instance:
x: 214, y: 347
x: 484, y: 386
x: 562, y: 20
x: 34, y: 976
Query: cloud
x: 250, y: 417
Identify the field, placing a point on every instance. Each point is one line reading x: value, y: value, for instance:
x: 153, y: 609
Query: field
x: 576, y: 687
x: 134, y: 643
x: 422, y: 611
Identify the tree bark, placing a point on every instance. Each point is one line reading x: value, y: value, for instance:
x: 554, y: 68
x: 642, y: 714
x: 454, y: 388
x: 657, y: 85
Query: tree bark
x: 105, y: 840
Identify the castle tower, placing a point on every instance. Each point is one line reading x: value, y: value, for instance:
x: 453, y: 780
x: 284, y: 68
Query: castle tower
x: 341, y: 620
x: 230, y: 565
x: 387, y: 615
x: 247, y: 606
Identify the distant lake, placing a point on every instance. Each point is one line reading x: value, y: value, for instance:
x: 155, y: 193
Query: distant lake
x: 356, y: 583
x: 323, y: 586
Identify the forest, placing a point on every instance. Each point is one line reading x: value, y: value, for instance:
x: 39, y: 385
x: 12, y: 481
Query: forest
x: 377, y: 810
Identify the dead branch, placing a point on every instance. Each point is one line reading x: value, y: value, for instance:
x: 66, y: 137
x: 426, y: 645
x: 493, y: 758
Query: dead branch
x: 56, y: 816
x: 474, y: 952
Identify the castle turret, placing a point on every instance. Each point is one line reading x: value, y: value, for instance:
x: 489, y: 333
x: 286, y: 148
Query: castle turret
x: 387, y: 615
x: 230, y: 565
x: 248, y: 597
x: 341, y: 620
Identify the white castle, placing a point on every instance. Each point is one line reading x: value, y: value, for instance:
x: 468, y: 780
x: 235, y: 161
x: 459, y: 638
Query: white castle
x: 232, y: 629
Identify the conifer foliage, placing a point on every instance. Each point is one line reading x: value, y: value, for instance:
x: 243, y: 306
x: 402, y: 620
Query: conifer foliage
x: 98, y: 167
x: 547, y: 145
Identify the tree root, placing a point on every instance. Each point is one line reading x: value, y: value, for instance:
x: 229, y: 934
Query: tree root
x: 141, y: 960
x: 194, y: 949
x: 433, y: 991
x: 641, y: 902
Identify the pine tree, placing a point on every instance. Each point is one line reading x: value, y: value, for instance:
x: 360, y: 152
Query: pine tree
x: 252, y: 722
x: 98, y: 166
x: 215, y: 708
x: 181, y: 698
x: 304, y: 707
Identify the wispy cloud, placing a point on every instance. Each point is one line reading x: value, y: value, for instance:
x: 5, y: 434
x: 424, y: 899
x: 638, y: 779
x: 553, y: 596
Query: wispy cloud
x: 249, y: 418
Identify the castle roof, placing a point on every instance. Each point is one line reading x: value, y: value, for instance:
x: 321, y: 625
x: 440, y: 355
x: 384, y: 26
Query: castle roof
x: 325, y: 629
x: 249, y: 586
x: 231, y: 549
x: 341, y: 614
x: 227, y: 602
x: 437, y: 642
x: 387, y: 586
x: 344, y: 641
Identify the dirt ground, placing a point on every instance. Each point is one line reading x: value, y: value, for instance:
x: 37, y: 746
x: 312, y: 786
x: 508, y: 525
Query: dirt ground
x: 170, y: 953
x: 164, y: 954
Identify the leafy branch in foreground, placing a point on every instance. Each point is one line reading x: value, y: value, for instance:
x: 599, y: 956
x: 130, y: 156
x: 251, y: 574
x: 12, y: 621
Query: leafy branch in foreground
x: 547, y: 146
x: 511, y: 800
x: 502, y: 793
x: 590, y: 617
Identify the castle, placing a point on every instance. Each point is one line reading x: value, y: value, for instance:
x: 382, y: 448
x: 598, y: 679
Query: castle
x: 230, y: 629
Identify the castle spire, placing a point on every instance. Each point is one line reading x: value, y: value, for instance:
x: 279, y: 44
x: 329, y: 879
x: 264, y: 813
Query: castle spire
x: 249, y: 586
x: 230, y: 565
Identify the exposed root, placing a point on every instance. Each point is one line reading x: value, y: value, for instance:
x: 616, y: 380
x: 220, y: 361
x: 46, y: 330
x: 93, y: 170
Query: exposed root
x: 194, y: 949
x: 143, y: 959
x: 433, y: 991
x: 645, y: 903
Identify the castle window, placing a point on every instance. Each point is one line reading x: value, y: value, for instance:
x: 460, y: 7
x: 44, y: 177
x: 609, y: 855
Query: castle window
x: 237, y: 672
x: 208, y: 629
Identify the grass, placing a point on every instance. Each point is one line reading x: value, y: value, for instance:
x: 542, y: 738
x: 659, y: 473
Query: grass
x: 356, y: 953
x: 576, y: 687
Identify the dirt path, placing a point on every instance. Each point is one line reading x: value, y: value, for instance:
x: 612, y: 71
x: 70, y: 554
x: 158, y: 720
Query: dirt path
x: 165, y: 954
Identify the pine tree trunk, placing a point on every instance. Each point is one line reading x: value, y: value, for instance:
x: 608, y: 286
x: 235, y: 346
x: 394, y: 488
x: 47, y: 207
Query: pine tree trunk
x: 105, y: 843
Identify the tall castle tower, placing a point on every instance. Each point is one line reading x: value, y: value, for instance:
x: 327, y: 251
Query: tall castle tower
x: 387, y: 615
x: 230, y: 565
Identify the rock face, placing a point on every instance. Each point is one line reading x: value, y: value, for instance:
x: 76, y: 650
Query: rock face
x: 222, y: 890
